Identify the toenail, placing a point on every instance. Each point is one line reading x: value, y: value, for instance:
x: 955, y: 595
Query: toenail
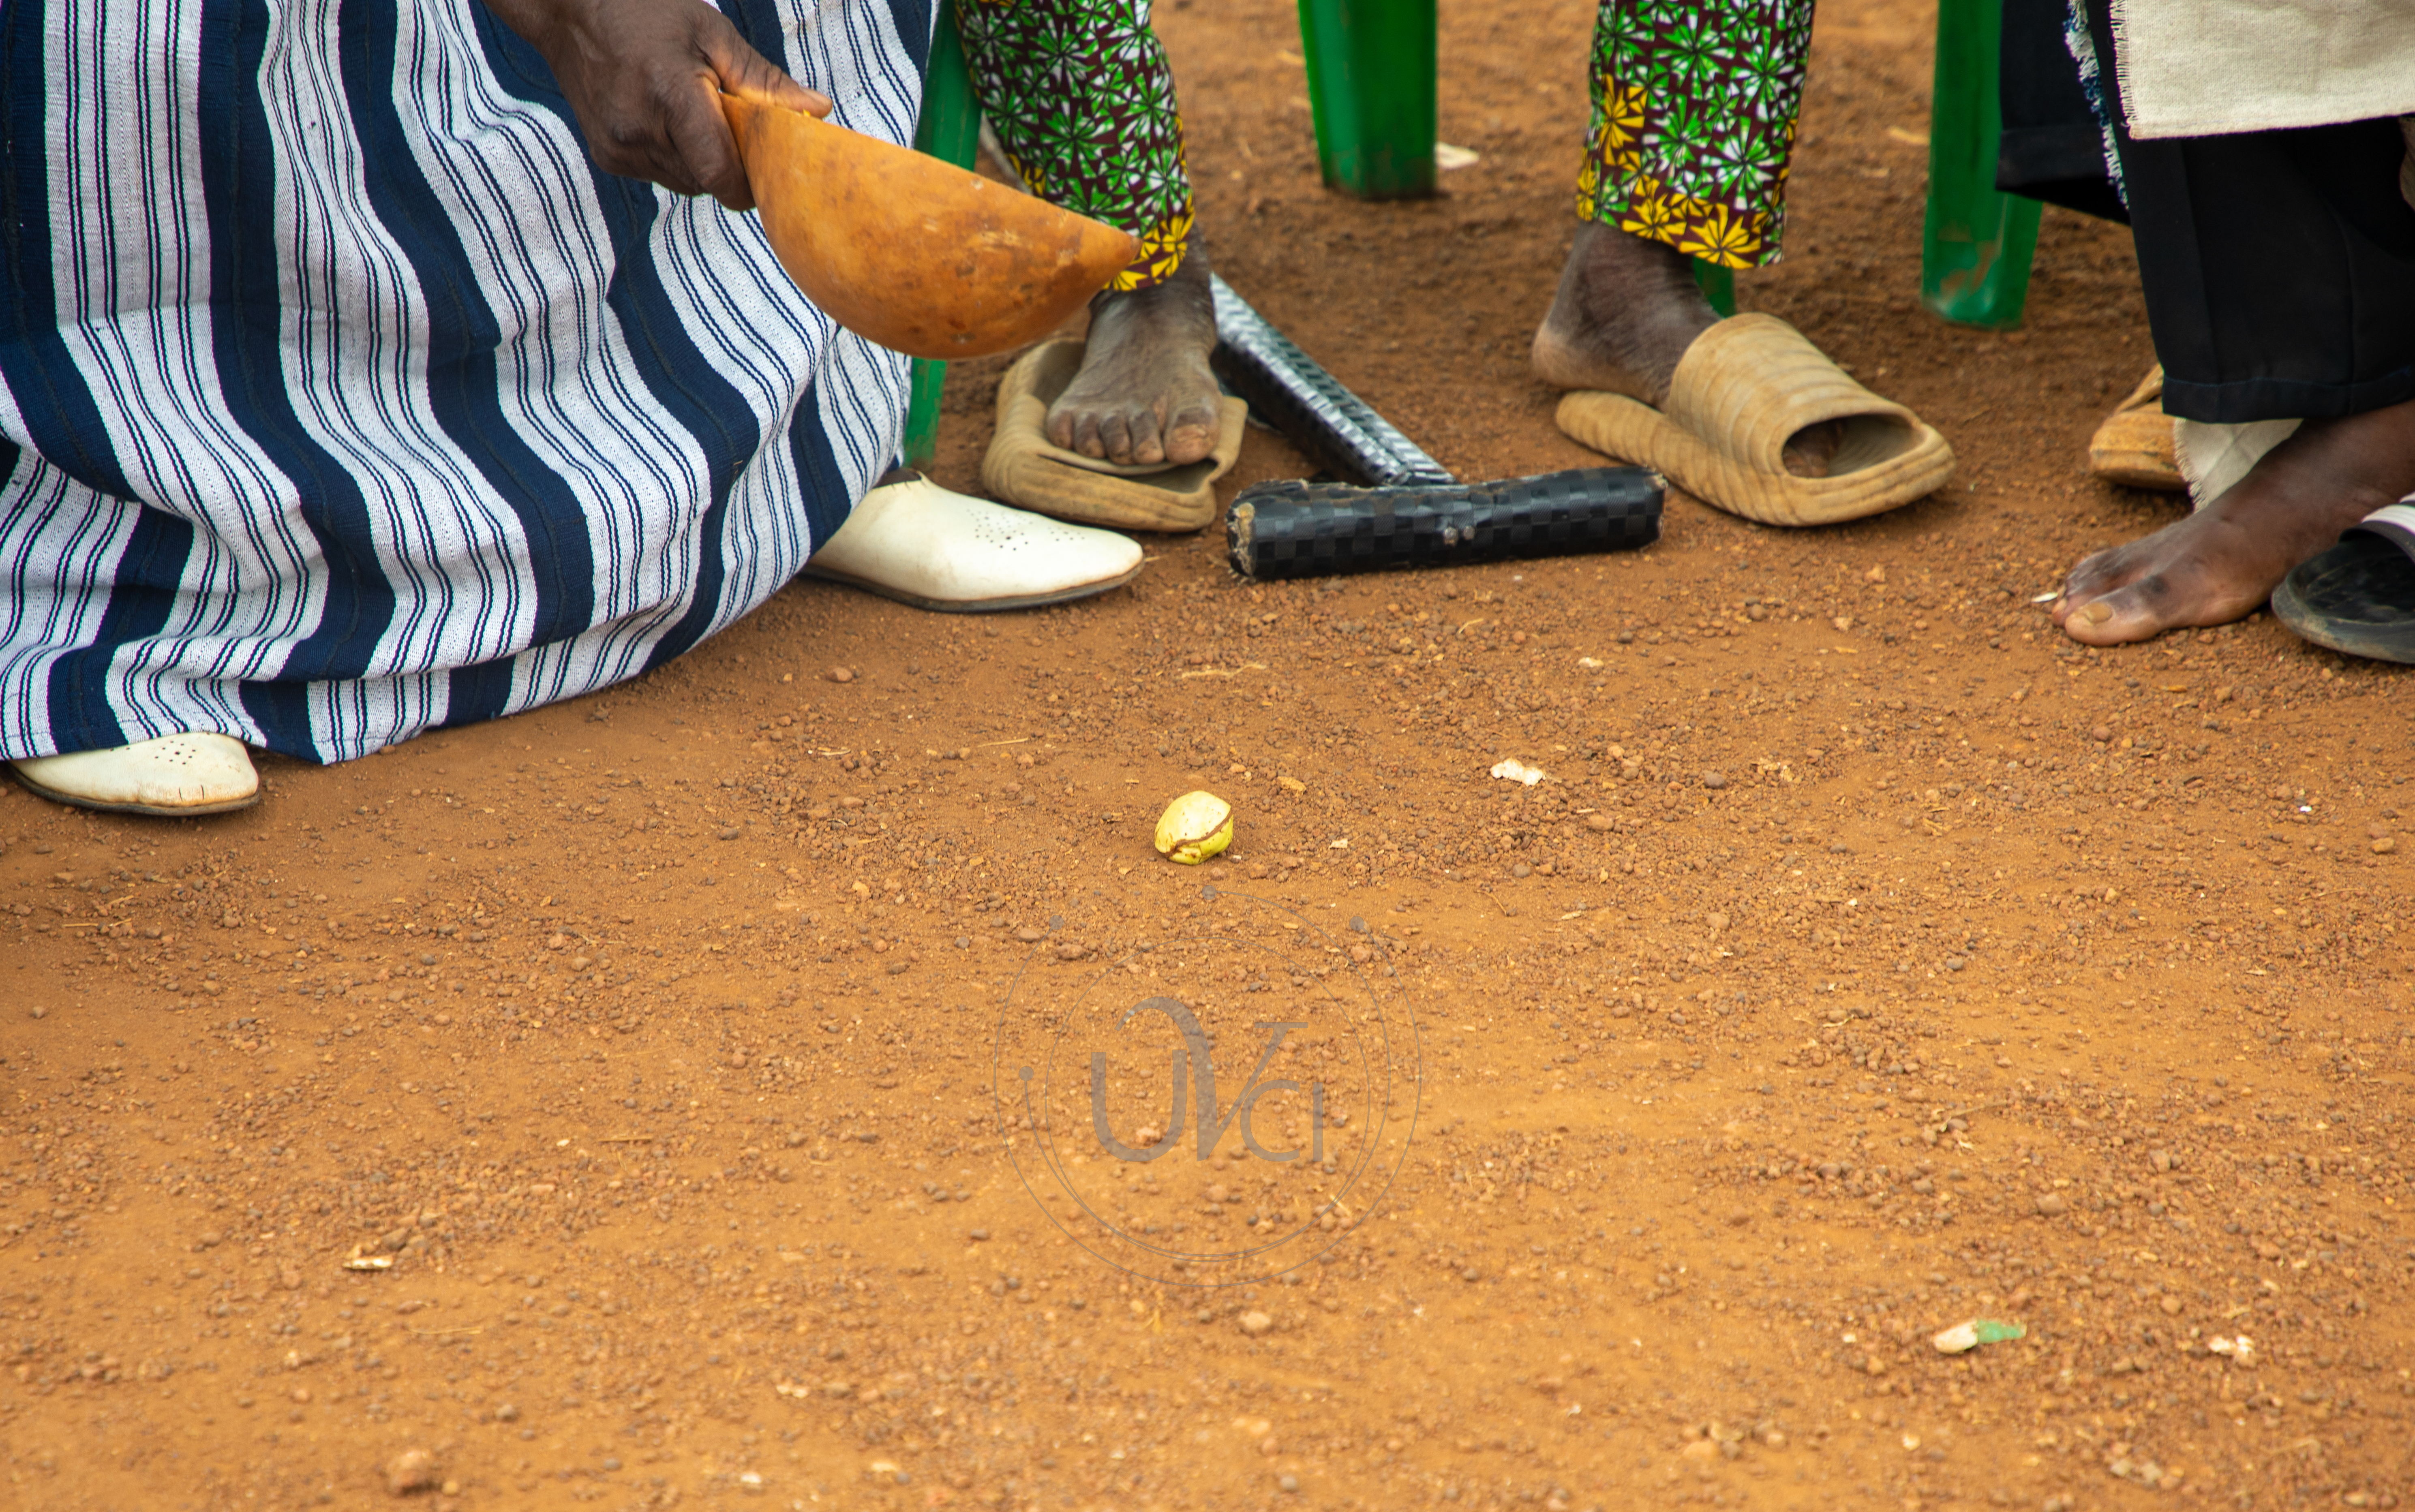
x: 2096, y: 613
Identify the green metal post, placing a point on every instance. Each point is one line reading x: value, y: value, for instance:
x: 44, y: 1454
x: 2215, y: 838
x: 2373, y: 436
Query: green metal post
x: 1371, y: 87
x: 1976, y: 244
x: 1717, y: 285
x: 949, y: 131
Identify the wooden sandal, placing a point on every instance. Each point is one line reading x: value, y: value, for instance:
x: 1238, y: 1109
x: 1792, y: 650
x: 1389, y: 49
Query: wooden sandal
x: 1743, y: 388
x: 1024, y: 467
x: 2133, y: 447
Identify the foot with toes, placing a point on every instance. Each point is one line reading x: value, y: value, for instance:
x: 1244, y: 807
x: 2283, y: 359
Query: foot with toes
x: 1145, y: 394
x: 1625, y: 313
x: 2223, y: 561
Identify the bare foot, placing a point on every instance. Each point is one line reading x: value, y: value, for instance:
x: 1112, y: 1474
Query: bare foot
x: 2220, y: 563
x: 1626, y: 312
x: 1145, y: 394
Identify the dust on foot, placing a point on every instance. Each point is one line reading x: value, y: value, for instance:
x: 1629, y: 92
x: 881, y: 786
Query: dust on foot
x: 1625, y: 313
x: 1145, y: 394
x: 2222, y: 562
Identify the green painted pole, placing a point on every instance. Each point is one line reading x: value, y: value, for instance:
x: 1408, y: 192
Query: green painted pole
x: 1717, y: 285
x: 1371, y: 87
x: 1976, y: 243
x: 949, y: 131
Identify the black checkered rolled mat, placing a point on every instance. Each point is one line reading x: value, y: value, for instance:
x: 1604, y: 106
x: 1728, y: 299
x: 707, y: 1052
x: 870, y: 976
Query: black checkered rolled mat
x: 1313, y: 529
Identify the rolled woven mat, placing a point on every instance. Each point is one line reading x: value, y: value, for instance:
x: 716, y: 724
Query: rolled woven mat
x: 1313, y: 529
x: 1287, y: 389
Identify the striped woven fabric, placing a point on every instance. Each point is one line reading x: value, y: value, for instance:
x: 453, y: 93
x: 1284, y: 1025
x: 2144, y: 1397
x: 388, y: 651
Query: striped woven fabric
x: 341, y: 396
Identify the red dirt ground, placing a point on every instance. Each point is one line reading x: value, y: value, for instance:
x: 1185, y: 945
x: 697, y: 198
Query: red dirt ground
x: 1871, y: 961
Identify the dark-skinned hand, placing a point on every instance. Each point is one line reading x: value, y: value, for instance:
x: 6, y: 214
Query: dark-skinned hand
x: 645, y: 77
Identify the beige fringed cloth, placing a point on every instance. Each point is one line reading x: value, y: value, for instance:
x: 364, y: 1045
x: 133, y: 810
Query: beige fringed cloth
x: 2211, y: 67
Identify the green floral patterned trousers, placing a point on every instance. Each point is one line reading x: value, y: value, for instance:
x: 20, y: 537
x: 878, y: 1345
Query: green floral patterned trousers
x: 1081, y: 98
x: 1692, y: 130
x: 1694, y: 104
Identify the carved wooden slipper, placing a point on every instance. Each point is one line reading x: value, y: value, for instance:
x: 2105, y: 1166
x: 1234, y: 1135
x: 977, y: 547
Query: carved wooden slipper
x: 1024, y: 467
x: 2133, y: 447
x: 1743, y: 388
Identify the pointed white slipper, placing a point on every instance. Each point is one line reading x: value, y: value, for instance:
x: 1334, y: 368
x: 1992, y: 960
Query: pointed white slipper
x: 175, y: 775
x: 923, y: 545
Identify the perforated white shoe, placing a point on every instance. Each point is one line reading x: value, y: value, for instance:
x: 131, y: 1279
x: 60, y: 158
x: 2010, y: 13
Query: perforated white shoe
x: 920, y: 544
x: 175, y: 775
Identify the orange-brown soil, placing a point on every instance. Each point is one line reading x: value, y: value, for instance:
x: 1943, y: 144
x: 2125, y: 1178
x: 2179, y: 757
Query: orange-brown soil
x: 1870, y: 961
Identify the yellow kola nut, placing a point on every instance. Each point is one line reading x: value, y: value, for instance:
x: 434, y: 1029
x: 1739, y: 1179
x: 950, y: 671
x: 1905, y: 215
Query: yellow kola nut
x: 1193, y: 828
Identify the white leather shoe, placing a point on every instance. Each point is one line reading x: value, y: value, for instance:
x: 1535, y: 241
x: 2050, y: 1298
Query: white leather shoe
x: 923, y: 545
x: 175, y: 775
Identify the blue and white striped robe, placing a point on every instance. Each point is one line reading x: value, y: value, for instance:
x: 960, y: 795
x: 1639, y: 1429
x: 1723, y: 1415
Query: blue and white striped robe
x: 342, y: 396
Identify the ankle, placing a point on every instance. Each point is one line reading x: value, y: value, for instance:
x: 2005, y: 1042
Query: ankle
x: 1185, y: 301
x: 1626, y: 312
